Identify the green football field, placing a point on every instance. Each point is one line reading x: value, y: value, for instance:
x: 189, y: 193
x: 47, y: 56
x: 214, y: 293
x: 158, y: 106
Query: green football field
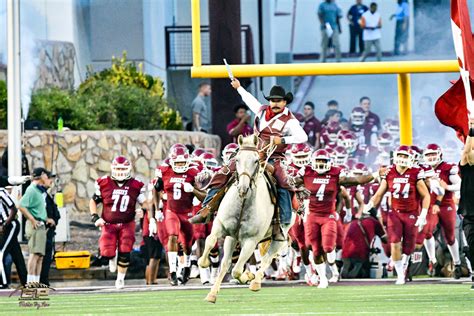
x: 415, y: 299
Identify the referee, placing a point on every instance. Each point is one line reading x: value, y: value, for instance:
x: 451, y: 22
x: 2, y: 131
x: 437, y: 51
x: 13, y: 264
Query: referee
x: 9, y: 229
x: 466, y: 203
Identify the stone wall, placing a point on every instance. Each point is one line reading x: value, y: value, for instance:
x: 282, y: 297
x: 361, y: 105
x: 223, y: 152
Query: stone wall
x: 80, y: 157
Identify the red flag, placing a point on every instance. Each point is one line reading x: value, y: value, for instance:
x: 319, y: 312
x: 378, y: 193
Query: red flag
x: 455, y: 106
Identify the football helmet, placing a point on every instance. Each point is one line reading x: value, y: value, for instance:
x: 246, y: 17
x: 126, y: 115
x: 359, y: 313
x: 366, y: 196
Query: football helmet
x: 209, y: 161
x: 121, y: 169
x: 340, y: 156
x: 321, y: 161
x: 403, y: 156
x: 196, y: 155
x: 348, y: 140
x: 228, y: 151
x: 331, y: 131
x: 385, y: 142
x: 300, y: 154
x: 179, y: 160
x: 417, y: 155
x: 393, y: 127
x: 357, y: 116
x: 359, y: 169
x: 432, y: 155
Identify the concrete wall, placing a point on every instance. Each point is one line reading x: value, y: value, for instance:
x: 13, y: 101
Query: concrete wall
x: 80, y: 157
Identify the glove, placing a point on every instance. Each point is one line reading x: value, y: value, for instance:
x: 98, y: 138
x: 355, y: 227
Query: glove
x: 159, y: 216
x: 368, y: 207
x: 421, y: 221
x: 152, y: 227
x: 188, y: 187
x: 436, y: 187
x: 100, y: 222
x: 18, y: 180
x: 348, y: 217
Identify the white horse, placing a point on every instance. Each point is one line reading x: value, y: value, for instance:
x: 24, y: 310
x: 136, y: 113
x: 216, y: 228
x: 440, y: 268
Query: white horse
x: 245, y: 215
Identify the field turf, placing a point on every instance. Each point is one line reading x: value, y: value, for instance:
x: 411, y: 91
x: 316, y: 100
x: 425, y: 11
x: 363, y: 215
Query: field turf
x: 414, y: 299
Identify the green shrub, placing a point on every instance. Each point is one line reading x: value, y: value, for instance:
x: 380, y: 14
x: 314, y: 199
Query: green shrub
x: 120, y: 97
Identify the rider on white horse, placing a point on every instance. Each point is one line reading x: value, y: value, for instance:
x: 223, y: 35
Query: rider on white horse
x: 273, y: 122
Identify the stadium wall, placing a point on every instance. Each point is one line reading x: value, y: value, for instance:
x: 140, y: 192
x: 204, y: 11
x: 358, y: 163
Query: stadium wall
x: 80, y: 157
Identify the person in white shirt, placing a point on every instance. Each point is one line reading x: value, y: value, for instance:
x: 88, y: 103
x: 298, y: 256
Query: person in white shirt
x: 371, y: 23
x: 273, y: 123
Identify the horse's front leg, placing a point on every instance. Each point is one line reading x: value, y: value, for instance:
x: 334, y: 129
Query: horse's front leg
x: 229, y: 245
x: 211, y: 241
x: 248, y: 247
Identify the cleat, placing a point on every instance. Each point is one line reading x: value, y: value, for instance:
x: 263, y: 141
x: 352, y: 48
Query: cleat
x: 323, y: 283
x: 400, y: 281
x: 194, y: 272
x: 119, y: 284
x: 297, y: 265
x: 431, y: 269
x: 173, y: 279
x: 185, y: 275
x: 457, y: 273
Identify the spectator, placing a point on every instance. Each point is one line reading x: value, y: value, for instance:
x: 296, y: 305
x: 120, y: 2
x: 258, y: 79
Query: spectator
x: 332, y: 116
x: 329, y: 16
x: 402, y: 16
x: 357, y: 246
x: 240, y: 125
x: 371, y: 23
x: 312, y: 126
x: 466, y: 203
x: 333, y: 105
x: 370, y: 117
x: 52, y: 213
x: 33, y: 206
x: 9, y: 229
x: 353, y: 15
x: 201, y: 110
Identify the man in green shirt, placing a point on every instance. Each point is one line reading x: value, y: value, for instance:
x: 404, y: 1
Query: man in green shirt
x: 33, y: 206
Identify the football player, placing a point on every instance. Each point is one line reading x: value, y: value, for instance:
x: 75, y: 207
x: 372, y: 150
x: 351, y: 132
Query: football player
x: 443, y: 208
x: 118, y: 193
x: 176, y: 181
x: 323, y: 181
x: 406, y: 185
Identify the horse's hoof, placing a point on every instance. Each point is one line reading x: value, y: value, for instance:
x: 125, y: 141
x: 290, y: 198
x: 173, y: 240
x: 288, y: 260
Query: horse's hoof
x: 255, y: 286
x: 204, y: 262
x: 211, y: 298
x: 250, y: 276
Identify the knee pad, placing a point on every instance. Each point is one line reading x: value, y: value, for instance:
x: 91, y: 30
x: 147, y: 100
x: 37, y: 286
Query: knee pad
x: 123, y: 259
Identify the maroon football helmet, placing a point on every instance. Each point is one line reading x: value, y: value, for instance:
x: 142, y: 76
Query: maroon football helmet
x: 209, y: 161
x: 121, y: 169
x: 357, y: 116
x: 321, y: 161
x: 228, y: 151
x: 196, y: 155
x: 416, y: 154
x: 300, y: 154
x: 403, y: 156
x: 179, y: 160
x: 432, y: 155
x: 385, y: 142
x: 359, y: 169
x: 331, y: 131
x: 348, y: 140
x: 340, y: 156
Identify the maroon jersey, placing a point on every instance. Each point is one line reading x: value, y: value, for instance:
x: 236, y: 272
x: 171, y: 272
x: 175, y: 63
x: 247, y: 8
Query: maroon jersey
x: 324, y: 189
x: 355, y: 245
x: 444, y: 170
x: 402, y: 187
x: 352, y: 193
x: 119, y: 201
x: 369, y: 191
x: 292, y: 170
x: 312, y: 127
x: 178, y: 201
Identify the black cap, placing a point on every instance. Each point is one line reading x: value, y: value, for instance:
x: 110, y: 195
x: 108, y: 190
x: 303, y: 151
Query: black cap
x: 37, y: 172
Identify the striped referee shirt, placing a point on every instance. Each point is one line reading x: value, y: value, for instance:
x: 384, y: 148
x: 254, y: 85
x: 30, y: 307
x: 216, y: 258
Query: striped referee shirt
x: 5, y: 205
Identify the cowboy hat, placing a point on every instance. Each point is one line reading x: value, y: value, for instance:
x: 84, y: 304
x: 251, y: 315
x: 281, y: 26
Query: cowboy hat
x: 278, y: 92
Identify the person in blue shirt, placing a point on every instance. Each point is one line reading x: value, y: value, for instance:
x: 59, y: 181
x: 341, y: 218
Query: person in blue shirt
x: 353, y: 15
x: 401, y: 16
x: 329, y: 15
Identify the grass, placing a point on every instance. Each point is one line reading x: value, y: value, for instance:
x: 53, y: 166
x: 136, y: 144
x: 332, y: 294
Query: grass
x: 414, y: 299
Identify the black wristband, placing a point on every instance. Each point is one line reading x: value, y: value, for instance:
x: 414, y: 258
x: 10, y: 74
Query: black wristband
x: 471, y: 132
x: 94, y: 218
x: 438, y: 202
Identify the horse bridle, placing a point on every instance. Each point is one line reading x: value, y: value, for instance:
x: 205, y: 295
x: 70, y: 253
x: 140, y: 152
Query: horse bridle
x: 250, y: 176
